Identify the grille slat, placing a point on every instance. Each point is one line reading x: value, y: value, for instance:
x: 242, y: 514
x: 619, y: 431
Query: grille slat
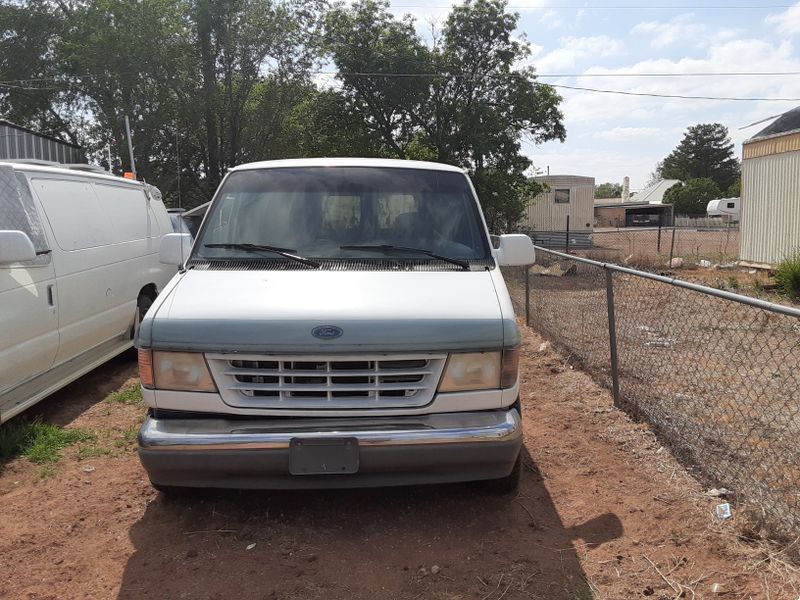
x: 334, y: 387
x: 301, y: 373
x: 326, y: 382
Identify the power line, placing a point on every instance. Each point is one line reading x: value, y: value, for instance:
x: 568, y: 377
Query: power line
x: 572, y: 87
x: 677, y: 96
x: 560, y: 86
x: 653, y: 7
x: 583, y: 75
x: 654, y: 74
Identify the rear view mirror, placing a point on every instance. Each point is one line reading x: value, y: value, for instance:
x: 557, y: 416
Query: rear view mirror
x: 515, y: 250
x: 175, y: 248
x: 15, y: 247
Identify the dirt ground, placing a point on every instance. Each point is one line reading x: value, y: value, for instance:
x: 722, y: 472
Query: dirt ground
x: 603, y: 512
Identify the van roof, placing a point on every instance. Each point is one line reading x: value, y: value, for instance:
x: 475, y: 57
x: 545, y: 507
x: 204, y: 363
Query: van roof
x: 38, y: 168
x: 348, y: 162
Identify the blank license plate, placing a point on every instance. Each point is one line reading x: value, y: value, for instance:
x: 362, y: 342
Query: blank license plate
x: 322, y: 456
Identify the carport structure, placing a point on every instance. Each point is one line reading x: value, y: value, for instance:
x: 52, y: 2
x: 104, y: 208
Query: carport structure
x: 633, y: 214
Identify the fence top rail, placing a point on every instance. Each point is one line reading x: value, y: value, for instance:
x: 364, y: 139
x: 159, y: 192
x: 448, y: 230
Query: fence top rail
x: 756, y: 302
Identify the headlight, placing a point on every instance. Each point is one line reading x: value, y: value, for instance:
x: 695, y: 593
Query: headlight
x: 480, y: 371
x: 181, y: 371
x: 471, y: 371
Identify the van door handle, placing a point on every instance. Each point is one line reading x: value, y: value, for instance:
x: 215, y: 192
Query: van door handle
x: 50, y: 300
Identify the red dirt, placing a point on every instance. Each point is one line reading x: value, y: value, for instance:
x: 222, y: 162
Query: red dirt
x: 599, y: 500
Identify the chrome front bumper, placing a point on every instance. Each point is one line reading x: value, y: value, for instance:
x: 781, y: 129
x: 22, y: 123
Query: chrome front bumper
x: 253, y: 453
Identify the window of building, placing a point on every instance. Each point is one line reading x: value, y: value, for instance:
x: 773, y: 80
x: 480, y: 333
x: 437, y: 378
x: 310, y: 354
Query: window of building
x: 562, y: 196
x: 731, y: 205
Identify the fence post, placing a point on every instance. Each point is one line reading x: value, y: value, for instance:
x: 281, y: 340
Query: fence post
x: 658, y: 243
x: 612, y: 337
x: 672, y: 246
x: 528, y: 296
x: 567, y: 237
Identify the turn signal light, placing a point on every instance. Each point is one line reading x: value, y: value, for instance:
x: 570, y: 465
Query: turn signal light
x: 510, y: 368
x: 146, y: 368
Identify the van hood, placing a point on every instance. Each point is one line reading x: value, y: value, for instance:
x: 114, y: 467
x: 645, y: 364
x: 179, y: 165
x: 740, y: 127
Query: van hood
x: 276, y: 311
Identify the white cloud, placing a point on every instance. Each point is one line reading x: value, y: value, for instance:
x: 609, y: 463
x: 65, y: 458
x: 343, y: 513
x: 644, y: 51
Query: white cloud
x: 682, y: 28
x: 627, y: 133
x: 786, y: 22
x: 609, y: 136
x: 550, y: 19
x: 574, y: 50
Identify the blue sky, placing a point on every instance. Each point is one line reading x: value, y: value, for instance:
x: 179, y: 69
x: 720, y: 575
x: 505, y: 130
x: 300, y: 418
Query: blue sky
x: 610, y: 136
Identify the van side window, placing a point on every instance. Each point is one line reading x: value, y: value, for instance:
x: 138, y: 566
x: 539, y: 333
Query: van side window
x: 127, y: 208
x: 341, y: 212
x: 18, y: 212
x: 75, y: 215
x: 392, y: 206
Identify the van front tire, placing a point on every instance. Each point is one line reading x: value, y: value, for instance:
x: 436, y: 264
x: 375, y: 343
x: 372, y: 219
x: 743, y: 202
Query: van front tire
x: 505, y: 485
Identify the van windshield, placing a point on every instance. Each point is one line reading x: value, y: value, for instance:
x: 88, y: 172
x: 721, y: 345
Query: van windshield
x: 344, y: 213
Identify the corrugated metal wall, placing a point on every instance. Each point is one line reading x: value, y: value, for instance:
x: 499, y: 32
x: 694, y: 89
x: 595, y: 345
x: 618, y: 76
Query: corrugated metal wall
x: 545, y: 215
x: 770, y: 220
x: 16, y: 143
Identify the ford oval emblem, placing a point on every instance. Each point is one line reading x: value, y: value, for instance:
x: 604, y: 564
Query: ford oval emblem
x: 327, y: 332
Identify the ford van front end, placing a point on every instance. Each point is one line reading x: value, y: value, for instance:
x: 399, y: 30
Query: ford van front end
x: 376, y: 346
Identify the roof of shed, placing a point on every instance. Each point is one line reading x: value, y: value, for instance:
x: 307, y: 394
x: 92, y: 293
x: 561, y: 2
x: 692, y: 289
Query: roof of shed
x: 788, y: 122
x: 36, y: 133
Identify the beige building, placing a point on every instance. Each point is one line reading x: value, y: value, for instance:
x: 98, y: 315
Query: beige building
x: 770, y: 217
x: 568, y: 196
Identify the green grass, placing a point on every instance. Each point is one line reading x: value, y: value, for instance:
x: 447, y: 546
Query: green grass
x: 129, y: 435
x: 39, y: 442
x: 85, y: 452
x: 787, y: 276
x: 129, y: 395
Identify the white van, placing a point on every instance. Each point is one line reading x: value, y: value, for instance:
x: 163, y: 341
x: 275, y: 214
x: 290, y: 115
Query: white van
x: 79, y: 268
x: 337, y: 323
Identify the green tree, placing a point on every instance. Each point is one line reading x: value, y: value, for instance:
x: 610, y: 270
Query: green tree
x: 692, y: 197
x: 187, y: 73
x: 608, y: 190
x: 735, y: 190
x: 706, y: 151
x: 464, y: 100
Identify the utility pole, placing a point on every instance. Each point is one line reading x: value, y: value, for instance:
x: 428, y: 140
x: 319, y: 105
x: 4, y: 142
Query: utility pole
x: 130, y: 145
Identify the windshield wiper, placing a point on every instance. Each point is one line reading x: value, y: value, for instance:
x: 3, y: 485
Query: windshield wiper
x: 387, y: 248
x: 284, y: 252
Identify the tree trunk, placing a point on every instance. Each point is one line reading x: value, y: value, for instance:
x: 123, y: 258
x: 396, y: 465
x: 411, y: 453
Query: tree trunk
x: 208, y: 70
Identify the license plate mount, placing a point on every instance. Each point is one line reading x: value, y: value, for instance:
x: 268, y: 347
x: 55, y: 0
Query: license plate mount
x: 323, y: 456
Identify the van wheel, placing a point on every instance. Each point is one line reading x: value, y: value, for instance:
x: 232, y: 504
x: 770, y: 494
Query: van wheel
x: 143, y: 304
x: 505, y: 485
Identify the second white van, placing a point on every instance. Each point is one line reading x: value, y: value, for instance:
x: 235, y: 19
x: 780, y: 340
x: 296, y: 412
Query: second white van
x: 79, y: 267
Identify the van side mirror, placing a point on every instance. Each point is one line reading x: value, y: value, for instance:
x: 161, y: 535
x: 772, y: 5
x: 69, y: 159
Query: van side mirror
x: 15, y: 247
x: 175, y: 248
x: 515, y: 250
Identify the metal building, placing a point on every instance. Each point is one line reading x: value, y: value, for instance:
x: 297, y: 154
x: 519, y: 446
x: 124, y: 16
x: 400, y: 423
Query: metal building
x: 569, y: 196
x: 19, y: 142
x: 770, y: 211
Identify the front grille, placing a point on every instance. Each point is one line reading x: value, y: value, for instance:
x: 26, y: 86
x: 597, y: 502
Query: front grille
x: 326, y: 382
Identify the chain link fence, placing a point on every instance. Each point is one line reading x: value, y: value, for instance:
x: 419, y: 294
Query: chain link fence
x: 714, y: 373
x: 656, y: 246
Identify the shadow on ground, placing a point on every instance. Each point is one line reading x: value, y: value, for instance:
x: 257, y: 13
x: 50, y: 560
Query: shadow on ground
x: 68, y: 403
x: 379, y: 543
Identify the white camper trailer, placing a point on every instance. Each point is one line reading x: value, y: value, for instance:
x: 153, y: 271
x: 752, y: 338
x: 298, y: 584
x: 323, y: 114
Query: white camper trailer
x: 727, y: 208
